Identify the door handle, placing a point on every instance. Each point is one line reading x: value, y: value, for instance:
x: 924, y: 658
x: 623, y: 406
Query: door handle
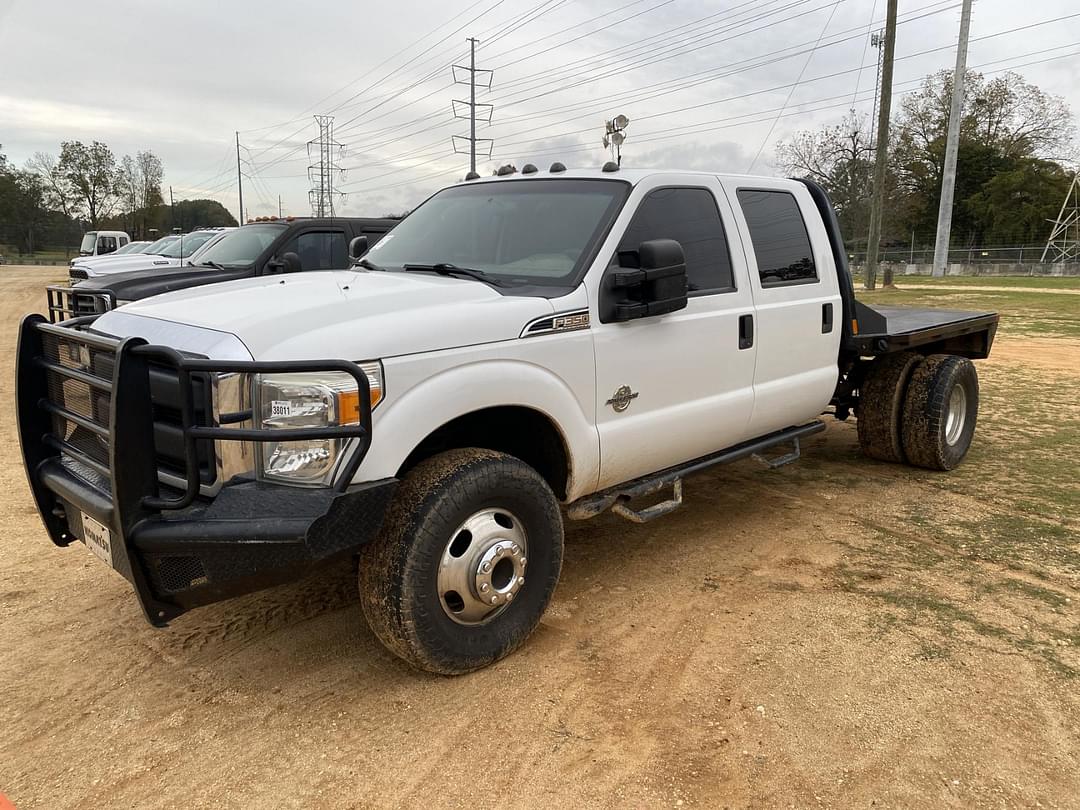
x: 746, y: 331
x: 826, y: 318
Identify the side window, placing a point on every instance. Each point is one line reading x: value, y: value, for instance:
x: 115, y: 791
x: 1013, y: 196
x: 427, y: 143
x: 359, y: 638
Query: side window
x: 319, y: 250
x: 689, y: 216
x: 107, y: 244
x: 781, y: 243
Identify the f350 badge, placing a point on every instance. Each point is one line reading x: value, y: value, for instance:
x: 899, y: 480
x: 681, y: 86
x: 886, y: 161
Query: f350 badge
x: 620, y: 400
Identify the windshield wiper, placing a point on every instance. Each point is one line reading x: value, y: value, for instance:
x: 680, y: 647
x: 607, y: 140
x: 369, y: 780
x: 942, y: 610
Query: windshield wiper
x: 447, y: 269
x: 367, y: 264
x: 215, y: 265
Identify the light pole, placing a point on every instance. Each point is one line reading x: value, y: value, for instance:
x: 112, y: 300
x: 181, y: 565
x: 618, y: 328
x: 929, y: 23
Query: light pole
x: 615, y: 136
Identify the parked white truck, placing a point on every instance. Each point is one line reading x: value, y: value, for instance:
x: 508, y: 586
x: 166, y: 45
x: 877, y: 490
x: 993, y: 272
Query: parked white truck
x: 518, y: 349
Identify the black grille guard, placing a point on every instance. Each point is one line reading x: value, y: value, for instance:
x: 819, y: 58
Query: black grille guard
x: 132, y: 469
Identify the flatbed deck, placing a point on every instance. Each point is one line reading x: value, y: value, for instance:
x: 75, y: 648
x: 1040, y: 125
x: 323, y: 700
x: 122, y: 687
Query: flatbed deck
x: 882, y: 330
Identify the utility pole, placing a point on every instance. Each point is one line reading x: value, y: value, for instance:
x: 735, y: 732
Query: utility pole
x: 952, y: 145
x: 172, y: 209
x: 279, y: 206
x: 239, y: 179
x: 882, y: 157
x: 472, y: 105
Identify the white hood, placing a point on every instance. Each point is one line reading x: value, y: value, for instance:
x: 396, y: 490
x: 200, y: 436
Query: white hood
x: 356, y: 315
x: 104, y: 265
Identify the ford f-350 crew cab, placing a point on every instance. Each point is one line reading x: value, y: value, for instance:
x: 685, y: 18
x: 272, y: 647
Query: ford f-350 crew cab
x: 574, y: 338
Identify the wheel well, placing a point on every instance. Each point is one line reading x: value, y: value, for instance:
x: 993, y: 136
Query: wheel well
x: 521, y: 432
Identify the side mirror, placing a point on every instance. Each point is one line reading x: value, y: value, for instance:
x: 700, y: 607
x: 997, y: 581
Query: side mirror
x: 286, y: 263
x: 657, y: 285
x: 358, y: 247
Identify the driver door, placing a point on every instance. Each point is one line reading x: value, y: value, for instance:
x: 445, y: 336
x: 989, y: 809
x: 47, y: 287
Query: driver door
x: 674, y: 387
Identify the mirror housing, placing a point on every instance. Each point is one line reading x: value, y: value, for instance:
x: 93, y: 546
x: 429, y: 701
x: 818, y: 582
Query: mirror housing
x: 287, y: 263
x: 649, y: 281
x: 357, y: 248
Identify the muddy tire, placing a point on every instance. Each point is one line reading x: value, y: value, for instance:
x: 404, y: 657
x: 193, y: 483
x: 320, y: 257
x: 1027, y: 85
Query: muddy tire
x: 940, y: 409
x: 881, y: 405
x: 466, y: 562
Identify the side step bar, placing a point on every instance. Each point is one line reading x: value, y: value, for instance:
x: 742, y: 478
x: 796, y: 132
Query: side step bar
x: 616, y: 498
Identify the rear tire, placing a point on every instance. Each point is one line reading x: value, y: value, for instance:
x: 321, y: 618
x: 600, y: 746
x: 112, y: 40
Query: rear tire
x: 940, y: 410
x: 466, y: 562
x: 881, y: 405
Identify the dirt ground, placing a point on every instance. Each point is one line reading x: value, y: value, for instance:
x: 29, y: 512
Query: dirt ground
x: 835, y: 633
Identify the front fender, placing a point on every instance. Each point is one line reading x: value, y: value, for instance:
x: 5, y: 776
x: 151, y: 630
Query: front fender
x: 404, y: 420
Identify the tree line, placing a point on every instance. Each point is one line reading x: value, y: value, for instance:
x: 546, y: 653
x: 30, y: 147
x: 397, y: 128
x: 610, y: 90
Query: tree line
x: 52, y: 199
x: 1015, y: 142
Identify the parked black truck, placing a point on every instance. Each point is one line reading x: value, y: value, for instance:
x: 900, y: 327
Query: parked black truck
x: 262, y: 247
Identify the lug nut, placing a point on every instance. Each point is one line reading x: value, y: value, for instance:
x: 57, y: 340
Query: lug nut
x: 509, y: 596
x: 494, y: 600
x: 486, y: 567
x: 483, y: 587
x: 523, y: 561
x: 521, y: 581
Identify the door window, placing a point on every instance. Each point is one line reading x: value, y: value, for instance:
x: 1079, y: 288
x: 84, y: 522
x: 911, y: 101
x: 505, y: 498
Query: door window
x: 781, y: 243
x: 106, y: 244
x: 690, y: 217
x: 319, y: 250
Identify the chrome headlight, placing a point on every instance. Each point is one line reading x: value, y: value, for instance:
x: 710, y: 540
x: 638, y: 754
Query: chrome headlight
x: 309, y: 400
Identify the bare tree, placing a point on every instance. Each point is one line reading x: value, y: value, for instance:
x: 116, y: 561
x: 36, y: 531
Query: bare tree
x: 840, y: 158
x: 58, y: 194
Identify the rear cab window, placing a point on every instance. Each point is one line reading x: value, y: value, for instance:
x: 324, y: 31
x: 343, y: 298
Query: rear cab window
x: 780, y: 240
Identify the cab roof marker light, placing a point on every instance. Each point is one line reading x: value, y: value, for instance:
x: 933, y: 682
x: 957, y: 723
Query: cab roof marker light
x: 529, y: 169
x: 557, y: 168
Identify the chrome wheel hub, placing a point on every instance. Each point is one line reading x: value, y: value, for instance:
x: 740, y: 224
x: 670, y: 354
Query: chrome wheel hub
x: 956, y: 415
x: 482, y: 567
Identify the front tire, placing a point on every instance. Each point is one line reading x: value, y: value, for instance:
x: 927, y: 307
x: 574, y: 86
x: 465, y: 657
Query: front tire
x: 940, y: 409
x: 466, y: 561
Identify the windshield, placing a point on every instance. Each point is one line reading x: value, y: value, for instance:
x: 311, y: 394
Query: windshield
x: 155, y: 248
x: 88, y: 241
x: 130, y: 247
x: 187, y: 244
x: 535, y: 231
x: 241, y: 247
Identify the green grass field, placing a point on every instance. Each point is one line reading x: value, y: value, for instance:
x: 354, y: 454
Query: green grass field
x: 1030, y: 307
x: 1026, y: 282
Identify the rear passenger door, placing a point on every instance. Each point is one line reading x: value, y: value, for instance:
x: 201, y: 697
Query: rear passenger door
x: 797, y: 300
x: 322, y: 249
x: 674, y: 387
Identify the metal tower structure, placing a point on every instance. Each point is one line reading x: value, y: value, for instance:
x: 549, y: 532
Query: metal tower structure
x: 477, y: 77
x: 1064, y: 242
x: 322, y: 172
x: 877, y: 41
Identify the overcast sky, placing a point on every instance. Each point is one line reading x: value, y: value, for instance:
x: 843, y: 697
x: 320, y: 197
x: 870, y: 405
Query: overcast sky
x: 707, y: 85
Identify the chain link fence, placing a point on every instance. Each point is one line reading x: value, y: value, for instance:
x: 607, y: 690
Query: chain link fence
x: 1017, y: 254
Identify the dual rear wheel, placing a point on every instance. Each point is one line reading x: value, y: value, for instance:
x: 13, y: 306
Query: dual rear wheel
x: 919, y: 410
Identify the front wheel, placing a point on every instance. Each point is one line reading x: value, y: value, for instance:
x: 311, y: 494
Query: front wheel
x: 466, y: 562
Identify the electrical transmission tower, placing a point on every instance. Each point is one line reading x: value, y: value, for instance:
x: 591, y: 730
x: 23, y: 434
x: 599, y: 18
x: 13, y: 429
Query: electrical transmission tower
x: 1064, y: 242
x: 322, y: 173
x: 476, y: 78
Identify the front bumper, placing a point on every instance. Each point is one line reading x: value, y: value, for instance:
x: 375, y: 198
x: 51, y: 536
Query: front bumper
x: 178, y: 547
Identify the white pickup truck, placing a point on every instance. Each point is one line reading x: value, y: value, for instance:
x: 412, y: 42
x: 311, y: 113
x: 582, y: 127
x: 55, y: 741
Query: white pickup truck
x: 519, y: 349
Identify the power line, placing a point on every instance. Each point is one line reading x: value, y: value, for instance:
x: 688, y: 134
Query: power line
x: 798, y: 81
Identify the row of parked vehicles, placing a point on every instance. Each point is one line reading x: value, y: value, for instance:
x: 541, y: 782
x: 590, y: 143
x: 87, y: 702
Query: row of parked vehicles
x: 434, y: 397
